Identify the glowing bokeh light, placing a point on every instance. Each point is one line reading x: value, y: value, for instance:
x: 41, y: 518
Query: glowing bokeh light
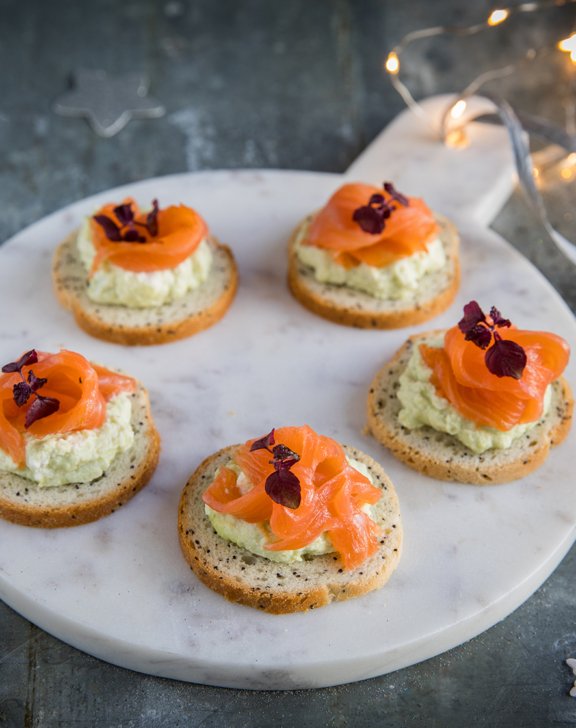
x: 392, y: 63
x: 498, y: 16
x: 568, y: 45
x: 458, y: 109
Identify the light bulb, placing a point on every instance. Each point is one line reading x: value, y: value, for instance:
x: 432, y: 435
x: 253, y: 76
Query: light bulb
x: 498, y: 16
x: 456, y: 139
x: 569, y: 44
x: 392, y: 64
x: 458, y: 109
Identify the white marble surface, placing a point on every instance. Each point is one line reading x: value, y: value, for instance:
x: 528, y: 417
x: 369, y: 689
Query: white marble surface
x: 120, y: 589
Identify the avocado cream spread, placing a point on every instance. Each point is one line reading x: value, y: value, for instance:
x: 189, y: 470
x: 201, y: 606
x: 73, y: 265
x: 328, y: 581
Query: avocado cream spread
x: 254, y: 536
x: 422, y: 406
x: 112, y: 284
x: 395, y: 281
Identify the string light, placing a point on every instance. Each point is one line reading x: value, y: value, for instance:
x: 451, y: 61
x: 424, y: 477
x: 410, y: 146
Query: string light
x: 553, y: 167
x: 392, y: 63
x: 568, y: 165
x: 498, y: 16
x: 456, y: 139
x: 458, y: 109
x: 569, y: 45
x: 452, y: 128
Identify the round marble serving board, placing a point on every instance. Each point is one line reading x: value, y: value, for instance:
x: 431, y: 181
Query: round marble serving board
x: 119, y: 588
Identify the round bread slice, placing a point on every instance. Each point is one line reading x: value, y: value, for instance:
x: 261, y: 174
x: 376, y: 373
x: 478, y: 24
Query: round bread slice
x: 278, y: 588
x: 22, y: 501
x: 442, y: 456
x: 196, y: 310
x: 351, y: 307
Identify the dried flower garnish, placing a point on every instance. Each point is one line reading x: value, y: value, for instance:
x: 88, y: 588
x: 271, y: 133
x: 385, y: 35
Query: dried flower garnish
x: 126, y: 232
x: 152, y: 219
x: 30, y: 357
x: 504, y: 358
x: 372, y: 217
x: 42, y: 406
x: 281, y: 485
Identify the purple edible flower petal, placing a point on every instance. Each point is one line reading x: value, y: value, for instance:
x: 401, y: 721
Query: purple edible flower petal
x: 133, y: 236
x: 389, y: 188
x: 479, y: 335
x: 21, y: 392
x: 125, y: 216
x: 506, y: 359
x: 281, y: 485
x: 152, y: 219
x: 281, y: 452
x: 285, y: 464
x: 35, y: 382
x: 30, y: 357
x: 369, y: 220
x: 111, y: 230
x: 376, y: 199
x: 124, y: 213
x: 371, y: 217
x: 496, y: 317
x: 41, y: 407
x: 473, y: 315
x: 284, y: 488
x: 264, y: 443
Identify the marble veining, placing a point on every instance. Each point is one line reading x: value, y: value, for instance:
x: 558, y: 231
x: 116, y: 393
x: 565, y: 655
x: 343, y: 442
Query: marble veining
x: 120, y: 589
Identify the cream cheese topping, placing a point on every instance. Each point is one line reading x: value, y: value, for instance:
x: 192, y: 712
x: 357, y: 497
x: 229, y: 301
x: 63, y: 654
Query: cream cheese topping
x: 422, y: 406
x: 395, y: 281
x: 255, y: 536
x: 114, y: 285
x: 76, y: 457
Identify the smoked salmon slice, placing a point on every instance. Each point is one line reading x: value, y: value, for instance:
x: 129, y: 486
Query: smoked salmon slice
x: 180, y: 231
x: 408, y: 230
x: 81, y: 388
x: 332, y: 494
x: 462, y: 377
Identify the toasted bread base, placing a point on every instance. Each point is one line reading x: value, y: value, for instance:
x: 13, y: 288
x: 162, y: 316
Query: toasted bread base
x: 197, y: 310
x: 22, y: 501
x: 350, y: 307
x: 442, y: 456
x: 243, y: 577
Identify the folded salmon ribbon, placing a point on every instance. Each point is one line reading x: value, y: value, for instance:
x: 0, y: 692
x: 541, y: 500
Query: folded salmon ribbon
x: 332, y: 493
x: 461, y: 376
x: 179, y: 232
x: 82, y: 390
x: 408, y: 230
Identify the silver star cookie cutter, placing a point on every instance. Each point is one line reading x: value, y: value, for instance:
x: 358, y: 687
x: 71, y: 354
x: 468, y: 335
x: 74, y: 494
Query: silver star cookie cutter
x: 108, y: 102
